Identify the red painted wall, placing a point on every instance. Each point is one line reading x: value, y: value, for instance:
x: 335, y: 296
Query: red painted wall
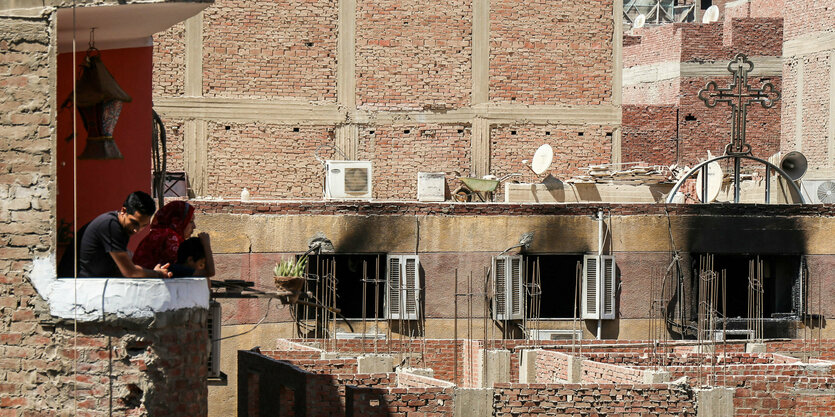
x: 104, y: 184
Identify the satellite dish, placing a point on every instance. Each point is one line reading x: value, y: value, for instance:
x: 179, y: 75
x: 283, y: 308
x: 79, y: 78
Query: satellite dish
x: 542, y: 159
x: 639, y: 22
x: 711, y: 14
x: 714, y: 181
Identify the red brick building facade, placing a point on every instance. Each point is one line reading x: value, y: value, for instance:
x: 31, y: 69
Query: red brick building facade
x: 253, y: 93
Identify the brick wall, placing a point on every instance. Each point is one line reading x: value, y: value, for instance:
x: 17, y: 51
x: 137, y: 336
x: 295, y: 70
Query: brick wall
x: 399, y: 152
x: 544, y: 52
x: 413, y: 57
x: 277, y: 161
x: 649, y: 134
x: 597, y: 372
x: 808, y: 19
x: 575, y: 147
x: 550, y: 366
x: 375, y: 402
x: 657, y: 44
x: 591, y: 399
x: 169, y: 63
x: 267, y: 51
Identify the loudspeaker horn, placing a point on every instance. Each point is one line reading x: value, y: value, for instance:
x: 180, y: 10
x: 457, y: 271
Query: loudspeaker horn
x: 794, y: 164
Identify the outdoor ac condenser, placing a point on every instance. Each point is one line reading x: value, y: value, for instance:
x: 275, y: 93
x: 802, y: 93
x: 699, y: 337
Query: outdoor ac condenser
x: 348, y: 180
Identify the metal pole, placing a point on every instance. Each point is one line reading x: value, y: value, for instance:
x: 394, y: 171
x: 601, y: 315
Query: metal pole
x: 736, y: 179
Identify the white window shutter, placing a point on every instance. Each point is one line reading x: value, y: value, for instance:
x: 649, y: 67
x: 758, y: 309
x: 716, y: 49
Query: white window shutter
x: 591, y: 298
x: 608, y: 280
x: 393, y: 286
x: 499, y: 288
x: 403, y: 289
x: 508, y: 288
x: 411, y: 287
x: 516, y: 301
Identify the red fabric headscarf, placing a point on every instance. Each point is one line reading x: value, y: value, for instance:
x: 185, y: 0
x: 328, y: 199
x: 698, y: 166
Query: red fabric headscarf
x: 162, y: 242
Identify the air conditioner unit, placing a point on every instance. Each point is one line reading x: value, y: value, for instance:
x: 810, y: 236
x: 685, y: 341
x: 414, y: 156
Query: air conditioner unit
x: 818, y: 191
x: 213, y: 323
x: 555, y: 335
x: 348, y: 180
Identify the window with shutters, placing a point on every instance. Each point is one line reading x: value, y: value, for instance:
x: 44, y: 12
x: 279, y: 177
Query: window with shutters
x: 508, y: 288
x: 599, y: 295
x: 403, y: 291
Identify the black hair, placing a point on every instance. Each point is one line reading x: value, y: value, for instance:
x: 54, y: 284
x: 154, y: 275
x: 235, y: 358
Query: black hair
x: 191, y: 247
x: 140, y: 201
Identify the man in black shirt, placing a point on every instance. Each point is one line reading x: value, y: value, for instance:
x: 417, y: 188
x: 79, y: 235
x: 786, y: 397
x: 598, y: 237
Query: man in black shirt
x: 103, y: 243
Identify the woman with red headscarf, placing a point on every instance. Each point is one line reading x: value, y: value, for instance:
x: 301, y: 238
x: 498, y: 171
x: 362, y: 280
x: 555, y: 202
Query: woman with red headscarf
x: 173, y: 224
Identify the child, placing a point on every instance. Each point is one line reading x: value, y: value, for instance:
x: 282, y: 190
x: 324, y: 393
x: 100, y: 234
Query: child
x: 194, y: 258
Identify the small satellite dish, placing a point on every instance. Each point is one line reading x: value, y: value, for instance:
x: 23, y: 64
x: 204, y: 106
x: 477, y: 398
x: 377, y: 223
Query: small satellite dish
x: 639, y: 22
x: 542, y: 159
x: 711, y: 14
x: 714, y: 181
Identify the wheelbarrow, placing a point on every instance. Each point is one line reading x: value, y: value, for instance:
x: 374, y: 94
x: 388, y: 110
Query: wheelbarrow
x: 482, y: 188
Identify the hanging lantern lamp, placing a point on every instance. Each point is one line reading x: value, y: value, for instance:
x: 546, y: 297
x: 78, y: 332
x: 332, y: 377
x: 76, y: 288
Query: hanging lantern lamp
x: 99, y: 100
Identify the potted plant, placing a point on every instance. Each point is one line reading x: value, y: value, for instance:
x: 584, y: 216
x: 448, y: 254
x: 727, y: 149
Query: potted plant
x: 289, y: 276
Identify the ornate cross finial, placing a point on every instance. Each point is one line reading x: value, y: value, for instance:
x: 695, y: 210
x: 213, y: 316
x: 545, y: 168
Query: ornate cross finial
x: 739, y: 95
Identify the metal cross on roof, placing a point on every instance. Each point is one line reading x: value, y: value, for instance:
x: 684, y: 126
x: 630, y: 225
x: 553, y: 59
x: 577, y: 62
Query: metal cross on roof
x: 739, y: 95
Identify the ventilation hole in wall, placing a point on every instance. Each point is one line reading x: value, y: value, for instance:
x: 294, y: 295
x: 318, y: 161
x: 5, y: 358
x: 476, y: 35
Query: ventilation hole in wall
x: 513, y: 99
x: 295, y: 129
x: 134, y: 397
x: 460, y: 131
x: 136, y: 347
x: 308, y: 43
x: 608, y: 134
x: 370, y: 132
x: 580, y: 133
x: 547, y: 133
x: 689, y: 118
x: 228, y: 127
x: 407, y: 131
x: 512, y: 132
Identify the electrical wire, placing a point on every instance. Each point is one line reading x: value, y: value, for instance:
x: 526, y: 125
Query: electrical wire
x: 269, y: 302
x: 75, y: 212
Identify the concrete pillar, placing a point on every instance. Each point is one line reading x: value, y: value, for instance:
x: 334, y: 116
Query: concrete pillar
x: 193, y: 80
x: 575, y: 369
x: 527, y: 366
x: 496, y: 367
x: 656, y: 377
x: 715, y: 402
x: 473, y: 402
x: 375, y: 364
x: 755, y: 348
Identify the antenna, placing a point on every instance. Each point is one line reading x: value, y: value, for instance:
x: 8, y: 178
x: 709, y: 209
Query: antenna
x: 711, y: 14
x: 639, y: 22
x: 542, y: 159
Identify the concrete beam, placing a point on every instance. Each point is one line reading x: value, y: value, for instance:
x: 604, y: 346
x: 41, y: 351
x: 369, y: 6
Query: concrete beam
x: 809, y: 43
x: 764, y: 66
